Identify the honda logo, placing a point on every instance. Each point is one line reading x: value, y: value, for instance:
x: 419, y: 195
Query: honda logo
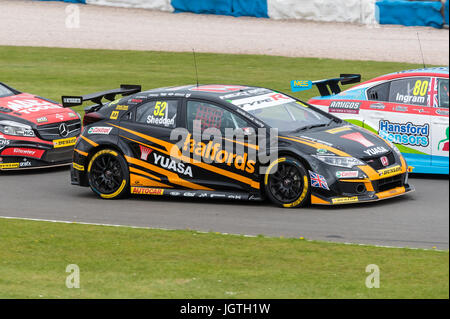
x: 63, y: 130
x: 384, y: 161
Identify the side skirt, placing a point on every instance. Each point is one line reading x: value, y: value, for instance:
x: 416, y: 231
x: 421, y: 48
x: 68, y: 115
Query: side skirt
x: 193, y: 193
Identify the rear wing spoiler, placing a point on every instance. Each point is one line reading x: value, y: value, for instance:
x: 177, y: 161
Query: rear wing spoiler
x: 325, y: 86
x: 110, y: 95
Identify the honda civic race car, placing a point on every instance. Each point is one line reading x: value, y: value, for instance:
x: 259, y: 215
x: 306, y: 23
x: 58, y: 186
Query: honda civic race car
x: 408, y: 108
x: 175, y: 141
x: 35, y: 132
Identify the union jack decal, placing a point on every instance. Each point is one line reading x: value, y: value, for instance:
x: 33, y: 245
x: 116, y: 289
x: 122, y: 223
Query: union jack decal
x: 433, y: 93
x: 318, y: 180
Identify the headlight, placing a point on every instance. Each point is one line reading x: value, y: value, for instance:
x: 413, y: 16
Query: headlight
x: 16, y: 129
x: 348, y: 162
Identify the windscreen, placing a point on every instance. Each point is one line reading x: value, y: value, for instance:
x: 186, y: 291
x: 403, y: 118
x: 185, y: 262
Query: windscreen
x: 282, y: 112
x: 5, y: 91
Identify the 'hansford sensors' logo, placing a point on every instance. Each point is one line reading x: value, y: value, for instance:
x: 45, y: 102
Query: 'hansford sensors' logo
x: 406, y: 134
x: 300, y: 85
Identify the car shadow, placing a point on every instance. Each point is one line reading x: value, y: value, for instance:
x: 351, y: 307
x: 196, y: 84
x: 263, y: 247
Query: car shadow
x: 35, y: 171
x: 428, y: 176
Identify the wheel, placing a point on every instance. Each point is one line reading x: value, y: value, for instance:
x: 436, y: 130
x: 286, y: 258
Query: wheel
x: 108, y: 174
x: 287, y: 183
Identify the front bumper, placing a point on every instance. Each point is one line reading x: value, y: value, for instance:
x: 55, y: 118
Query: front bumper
x: 20, y: 155
x: 371, y: 197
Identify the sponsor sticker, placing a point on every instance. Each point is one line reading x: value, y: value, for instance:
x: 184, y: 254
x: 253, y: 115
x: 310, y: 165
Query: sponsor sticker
x: 262, y: 101
x: 145, y: 152
x: 42, y: 120
x: 170, y: 164
x: 25, y: 163
x: 376, y: 150
x: 405, y: 133
x: 122, y: 107
x: 64, y: 142
x: 390, y: 171
x: 29, y: 106
x: 3, y: 142
x: 100, y: 130
x: 74, y: 100
x: 344, y: 200
x: 347, y: 174
x: 9, y: 165
x: 344, y: 107
x: 147, y: 191
x: 28, y: 152
x: 114, y: 115
x: 300, y: 85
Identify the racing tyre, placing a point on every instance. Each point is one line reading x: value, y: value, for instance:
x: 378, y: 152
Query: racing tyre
x: 108, y: 174
x: 287, y: 183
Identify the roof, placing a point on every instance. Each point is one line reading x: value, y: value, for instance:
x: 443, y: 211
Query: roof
x: 438, y: 70
x: 234, y: 94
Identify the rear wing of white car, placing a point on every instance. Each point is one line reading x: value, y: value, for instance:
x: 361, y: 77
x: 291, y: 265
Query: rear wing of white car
x: 327, y: 85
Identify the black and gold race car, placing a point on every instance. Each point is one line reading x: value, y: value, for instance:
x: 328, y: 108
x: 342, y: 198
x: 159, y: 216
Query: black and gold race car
x: 229, y: 141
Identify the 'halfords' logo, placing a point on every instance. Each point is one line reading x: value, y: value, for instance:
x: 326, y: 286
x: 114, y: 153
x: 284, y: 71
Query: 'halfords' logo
x: 215, y: 153
x: 300, y: 85
x: 407, y: 134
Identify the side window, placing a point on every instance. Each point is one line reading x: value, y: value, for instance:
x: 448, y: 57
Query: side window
x: 207, y: 115
x: 379, y: 92
x: 412, y: 91
x: 158, y: 112
x: 443, y: 92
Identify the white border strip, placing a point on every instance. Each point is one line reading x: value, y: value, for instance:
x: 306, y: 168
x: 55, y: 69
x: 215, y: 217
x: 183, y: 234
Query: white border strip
x: 211, y: 232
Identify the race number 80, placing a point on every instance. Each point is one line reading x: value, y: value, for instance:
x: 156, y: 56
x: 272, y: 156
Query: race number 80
x: 420, y: 88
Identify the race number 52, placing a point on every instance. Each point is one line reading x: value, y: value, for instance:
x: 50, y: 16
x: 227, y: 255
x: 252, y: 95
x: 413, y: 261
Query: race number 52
x: 160, y: 108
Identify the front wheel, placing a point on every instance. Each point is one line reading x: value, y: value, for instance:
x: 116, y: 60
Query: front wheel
x: 286, y: 183
x: 108, y: 174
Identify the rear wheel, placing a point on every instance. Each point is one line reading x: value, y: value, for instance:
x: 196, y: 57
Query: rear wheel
x: 286, y: 183
x: 108, y: 174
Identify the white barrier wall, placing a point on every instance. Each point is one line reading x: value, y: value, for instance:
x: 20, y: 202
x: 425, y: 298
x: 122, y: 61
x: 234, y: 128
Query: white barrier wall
x: 161, y: 5
x: 356, y: 11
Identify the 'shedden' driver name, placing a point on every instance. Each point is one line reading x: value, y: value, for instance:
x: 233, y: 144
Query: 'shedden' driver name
x: 160, y: 121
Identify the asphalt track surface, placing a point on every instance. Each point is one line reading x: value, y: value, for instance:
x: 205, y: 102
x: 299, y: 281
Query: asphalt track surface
x: 419, y: 219
x: 42, y: 23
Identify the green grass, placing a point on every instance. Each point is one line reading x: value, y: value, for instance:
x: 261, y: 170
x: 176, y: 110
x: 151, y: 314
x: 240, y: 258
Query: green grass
x: 119, y: 262
x: 139, y: 263
x: 52, y: 72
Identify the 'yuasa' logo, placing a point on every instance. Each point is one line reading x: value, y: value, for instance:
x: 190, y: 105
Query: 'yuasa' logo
x: 170, y: 164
